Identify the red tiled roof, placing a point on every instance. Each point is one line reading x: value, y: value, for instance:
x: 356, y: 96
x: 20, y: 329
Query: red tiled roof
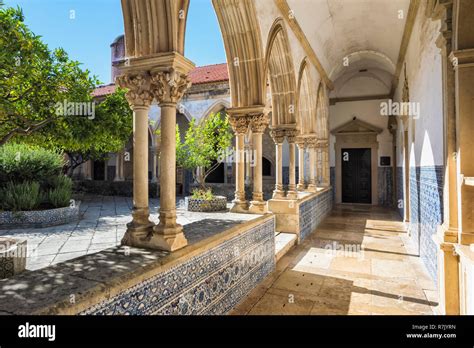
x: 104, y: 90
x: 209, y: 73
x: 199, y: 75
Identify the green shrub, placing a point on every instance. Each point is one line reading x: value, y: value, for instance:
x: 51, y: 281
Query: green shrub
x: 60, y: 194
x: 20, y: 196
x: 203, y: 194
x: 22, y: 162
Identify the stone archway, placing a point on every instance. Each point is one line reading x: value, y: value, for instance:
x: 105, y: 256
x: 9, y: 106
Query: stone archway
x: 280, y: 71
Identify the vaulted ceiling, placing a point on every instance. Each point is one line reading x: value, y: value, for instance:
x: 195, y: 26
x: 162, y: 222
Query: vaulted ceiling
x: 356, y: 41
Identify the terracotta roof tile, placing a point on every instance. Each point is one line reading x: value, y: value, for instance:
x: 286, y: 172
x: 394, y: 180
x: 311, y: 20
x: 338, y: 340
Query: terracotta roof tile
x: 199, y: 75
x: 209, y: 73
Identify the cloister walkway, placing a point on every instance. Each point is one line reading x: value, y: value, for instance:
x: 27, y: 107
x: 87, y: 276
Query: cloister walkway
x: 358, y: 261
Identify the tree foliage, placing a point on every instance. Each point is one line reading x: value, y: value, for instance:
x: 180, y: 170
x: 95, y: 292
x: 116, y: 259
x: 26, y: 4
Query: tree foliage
x: 34, y: 79
x: 204, y: 146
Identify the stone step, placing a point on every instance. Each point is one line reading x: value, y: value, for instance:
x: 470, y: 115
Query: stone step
x: 283, y: 243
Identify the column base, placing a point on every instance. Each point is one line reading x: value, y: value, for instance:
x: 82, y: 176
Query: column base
x: 301, y: 187
x: 168, y: 242
x: 118, y: 179
x: 278, y: 194
x: 239, y: 206
x: 292, y: 195
x: 168, y: 235
x: 138, y: 229
x: 448, y: 278
x: 258, y: 207
x: 312, y: 188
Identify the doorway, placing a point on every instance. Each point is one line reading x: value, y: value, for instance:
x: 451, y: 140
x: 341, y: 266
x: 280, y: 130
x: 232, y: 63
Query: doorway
x: 356, y: 176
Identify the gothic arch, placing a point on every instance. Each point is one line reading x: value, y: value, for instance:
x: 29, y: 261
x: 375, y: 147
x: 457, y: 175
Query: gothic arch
x: 154, y: 26
x: 241, y: 36
x: 215, y: 107
x: 322, y: 119
x: 306, y: 121
x: 280, y: 71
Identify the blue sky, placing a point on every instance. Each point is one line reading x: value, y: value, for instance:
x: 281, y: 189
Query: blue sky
x: 97, y: 23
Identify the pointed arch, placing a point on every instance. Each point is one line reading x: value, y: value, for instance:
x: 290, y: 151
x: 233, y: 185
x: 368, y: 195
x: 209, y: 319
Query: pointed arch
x: 322, y: 114
x: 218, y: 105
x: 154, y: 26
x: 280, y: 71
x: 306, y: 100
x: 241, y: 35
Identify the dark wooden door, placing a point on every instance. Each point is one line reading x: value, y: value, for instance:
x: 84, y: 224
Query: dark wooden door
x: 356, y: 176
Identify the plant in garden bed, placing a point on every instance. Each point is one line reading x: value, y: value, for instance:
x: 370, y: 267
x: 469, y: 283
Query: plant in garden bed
x: 202, y: 194
x: 31, y: 178
x: 203, y: 148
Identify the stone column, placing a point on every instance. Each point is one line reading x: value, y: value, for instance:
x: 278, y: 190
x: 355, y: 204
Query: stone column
x: 312, y: 143
x: 447, y: 236
x: 258, y: 123
x: 119, y: 166
x: 291, y: 137
x: 170, y: 85
x: 326, y: 172
x: 278, y: 136
x: 248, y: 158
x: 300, y: 142
x: 240, y: 126
x: 139, y: 98
x: 154, y: 171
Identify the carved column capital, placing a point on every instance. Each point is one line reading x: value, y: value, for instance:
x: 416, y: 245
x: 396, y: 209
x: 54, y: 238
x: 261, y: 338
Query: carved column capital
x: 311, y: 142
x: 239, y: 124
x: 138, y: 86
x: 259, y: 122
x: 300, y: 142
x: 278, y: 135
x: 291, y: 135
x: 322, y: 143
x: 169, y: 86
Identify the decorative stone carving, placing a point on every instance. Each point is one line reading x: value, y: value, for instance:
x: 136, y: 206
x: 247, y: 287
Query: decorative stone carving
x: 138, y: 86
x: 239, y: 124
x: 259, y: 122
x: 311, y: 142
x: 322, y: 143
x: 300, y: 142
x: 291, y: 135
x: 278, y: 135
x: 169, y: 86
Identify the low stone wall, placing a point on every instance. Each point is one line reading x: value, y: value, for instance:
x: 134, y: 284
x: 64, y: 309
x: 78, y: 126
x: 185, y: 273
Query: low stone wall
x: 303, y: 215
x: 39, y: 218
x: 313, y: 210
x: 208, y: 277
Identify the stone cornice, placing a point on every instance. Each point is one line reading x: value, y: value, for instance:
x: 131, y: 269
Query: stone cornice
x: 462, y: 57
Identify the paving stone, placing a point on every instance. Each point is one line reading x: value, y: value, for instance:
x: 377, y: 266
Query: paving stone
x: 380, y: 276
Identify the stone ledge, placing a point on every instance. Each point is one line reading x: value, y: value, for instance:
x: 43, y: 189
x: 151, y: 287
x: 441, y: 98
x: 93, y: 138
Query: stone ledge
x: 80, y: 284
